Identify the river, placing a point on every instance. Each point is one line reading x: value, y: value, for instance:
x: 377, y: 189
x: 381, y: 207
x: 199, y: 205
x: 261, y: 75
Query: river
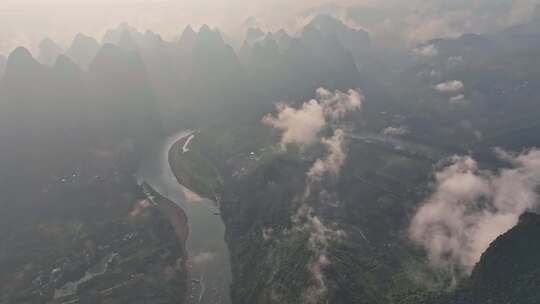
x: 209, y: 259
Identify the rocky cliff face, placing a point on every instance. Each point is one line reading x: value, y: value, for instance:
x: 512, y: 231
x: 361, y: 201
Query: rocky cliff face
x: 509, y: 271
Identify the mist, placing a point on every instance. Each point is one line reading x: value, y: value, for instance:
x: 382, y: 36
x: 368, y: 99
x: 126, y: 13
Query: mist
x: 390, y: 22
x: 470, y: 207
x: 270, y: 151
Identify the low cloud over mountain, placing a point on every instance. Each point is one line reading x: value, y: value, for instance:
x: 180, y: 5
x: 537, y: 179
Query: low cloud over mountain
x: 470, y: 207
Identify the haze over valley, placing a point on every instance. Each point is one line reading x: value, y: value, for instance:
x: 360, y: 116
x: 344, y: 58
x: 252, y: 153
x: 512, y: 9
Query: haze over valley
x: 269, y: 152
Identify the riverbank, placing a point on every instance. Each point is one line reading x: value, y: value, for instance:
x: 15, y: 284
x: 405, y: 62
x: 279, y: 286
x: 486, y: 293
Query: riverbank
x: 208, y: 255
x: 193, y: 170
x: 176, y: 216
x: 172, y: 212
x: 104, y: 243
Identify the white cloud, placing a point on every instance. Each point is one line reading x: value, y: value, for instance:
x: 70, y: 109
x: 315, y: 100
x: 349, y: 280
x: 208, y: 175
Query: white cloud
x: 521, y: 10
x: 400, y: 21
x: 336, y: 104
x: 469, y: 208
x: 302, y: 126
x: 451, y: 86
x: 395, y: 131
x: 331, y: 163
x: 454, y: 61
x: 319, y: 239
x: 458, y: 100
x: 299, y: 126
x: 203, y: 258
x: 426, y: 51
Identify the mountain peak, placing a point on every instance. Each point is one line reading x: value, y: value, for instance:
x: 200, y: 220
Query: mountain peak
x: 47, y: 42
x: 20, y: 56
x: 48, y: 51
x: 127, y: 41
x: 251, y: 22
x: 20, y: 52
x: 210, y: 37
x: 508, y: 267
x: 65, y: 65
x: 124, y: 26
x: 188, y: 36
x: 325, y: 19
x: 324, y: 25
x: 80, y: 37
x: 205, y: 29
x: 253, y: 34
x: 529, y: 218
x: 83, y: 49
x: 115, y: 59
x: 20, y: 62
x: 188, y: 30
x: 82, y: 41
x: 152, y: 39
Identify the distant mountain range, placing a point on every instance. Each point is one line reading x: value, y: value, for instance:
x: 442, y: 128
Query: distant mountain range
x: 101, y: 106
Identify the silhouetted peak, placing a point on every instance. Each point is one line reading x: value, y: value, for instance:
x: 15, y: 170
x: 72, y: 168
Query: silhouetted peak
x: 48, y: 51
x: 266, y: 48
x: 124, y: 26
x: 119, y: 36
x: 65, y: 65
x: 510, y: 260
x: 151, y: 36
x: 268, y: 43
x: 20, y: 53
x: 188, y: 32
x: 253, y: 34
x: 283, y: 39
x: 205, y: 30
x: 251, y: 22
x: 330, y: 25
x: 282, y: 33
x: 109, y: 50
x: 20, y: 58
x: 528, y: 218
x: 188, y: 36
x: 112, y: 58
x: 127, y: 41
x: 269, y: 37
x: 83, y: 41
x: 49, y: 43
x: 21, y: 65
x: 80, y: 37
x: 83, y: 49
x: 209, y: 37
x: 324, y: 20
x: 327, y: 25
x: 311, y: 32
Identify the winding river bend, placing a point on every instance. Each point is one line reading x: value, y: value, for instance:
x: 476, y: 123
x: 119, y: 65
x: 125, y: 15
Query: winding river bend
x: 209, y: 259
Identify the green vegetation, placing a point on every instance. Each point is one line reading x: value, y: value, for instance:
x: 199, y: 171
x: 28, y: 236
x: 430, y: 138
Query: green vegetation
x: 373, y: 263
x: 202, y: 168
x: 508, y: 272
x: 195, y: 171
x: 107, y: 245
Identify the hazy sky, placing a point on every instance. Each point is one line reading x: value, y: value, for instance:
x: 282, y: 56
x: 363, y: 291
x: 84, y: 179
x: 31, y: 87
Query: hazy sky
x: 25, y: 22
